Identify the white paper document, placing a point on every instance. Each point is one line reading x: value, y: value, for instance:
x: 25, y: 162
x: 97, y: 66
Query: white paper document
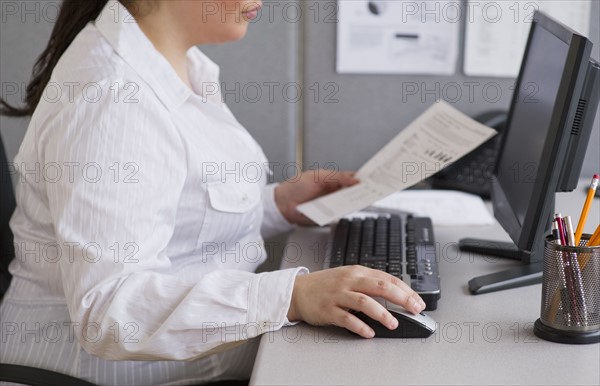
x: 444, y: 207
x: 497, y: 31
x: 397, y: 36
x: 440, y: 136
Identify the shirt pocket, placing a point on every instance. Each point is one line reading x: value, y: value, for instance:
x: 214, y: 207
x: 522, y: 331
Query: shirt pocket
x: 233, y: 213
x: 233, y: 197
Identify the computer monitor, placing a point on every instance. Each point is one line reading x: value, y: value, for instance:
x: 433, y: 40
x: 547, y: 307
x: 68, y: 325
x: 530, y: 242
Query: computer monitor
x: 542, y: 148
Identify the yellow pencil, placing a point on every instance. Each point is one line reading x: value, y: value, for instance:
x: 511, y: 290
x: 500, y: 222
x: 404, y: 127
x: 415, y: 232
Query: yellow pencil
x: 586, y: 208
x: 595, y: 239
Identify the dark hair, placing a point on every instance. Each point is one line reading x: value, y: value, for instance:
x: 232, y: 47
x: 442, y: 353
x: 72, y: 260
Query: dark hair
x: 73, y: 17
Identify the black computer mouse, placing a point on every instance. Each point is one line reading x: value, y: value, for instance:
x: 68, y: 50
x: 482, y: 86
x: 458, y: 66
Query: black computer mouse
x: 409, y: 325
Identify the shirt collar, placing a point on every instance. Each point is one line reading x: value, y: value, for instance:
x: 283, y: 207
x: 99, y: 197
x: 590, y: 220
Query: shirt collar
x: 204, y: 75
x: 129, y: 42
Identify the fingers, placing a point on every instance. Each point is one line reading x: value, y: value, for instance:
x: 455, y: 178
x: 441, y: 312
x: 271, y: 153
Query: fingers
x: 335, y: 180
x: 345, y: 319
x: 370, y: 307
x: 302, y: 220
x: 384, y: 285
x: 369, y: 282
x: 347, y: 178
x: 325, y: 297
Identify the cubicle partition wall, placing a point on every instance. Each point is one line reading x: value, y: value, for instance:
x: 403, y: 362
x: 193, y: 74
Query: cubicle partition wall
x: 281, y: 83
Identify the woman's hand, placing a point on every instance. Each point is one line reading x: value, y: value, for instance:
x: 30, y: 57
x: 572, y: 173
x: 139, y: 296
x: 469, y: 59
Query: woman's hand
x: 325, y: 297
x: 309, y: 185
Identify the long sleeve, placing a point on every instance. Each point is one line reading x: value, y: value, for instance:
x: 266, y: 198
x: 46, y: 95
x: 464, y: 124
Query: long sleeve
x: 137, y: 227
x: 115, y: 218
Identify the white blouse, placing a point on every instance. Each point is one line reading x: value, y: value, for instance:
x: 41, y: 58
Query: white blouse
x: 141, y: 211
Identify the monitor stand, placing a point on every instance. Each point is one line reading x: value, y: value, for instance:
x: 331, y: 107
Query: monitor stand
x: 526, y: 274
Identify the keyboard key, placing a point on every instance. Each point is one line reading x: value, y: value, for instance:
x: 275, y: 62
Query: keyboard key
x: 382, y: 243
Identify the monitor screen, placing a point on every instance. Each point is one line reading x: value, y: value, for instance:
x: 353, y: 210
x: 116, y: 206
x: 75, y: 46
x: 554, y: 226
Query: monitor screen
x: 548, y: 126
x: 534, y: 144
x: 535, y: 100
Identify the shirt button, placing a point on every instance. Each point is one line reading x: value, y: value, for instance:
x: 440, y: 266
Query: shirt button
x: 245, y: 197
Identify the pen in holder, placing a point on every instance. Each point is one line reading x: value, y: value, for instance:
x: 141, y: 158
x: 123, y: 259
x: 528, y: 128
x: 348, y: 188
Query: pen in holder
x: 570, y: 293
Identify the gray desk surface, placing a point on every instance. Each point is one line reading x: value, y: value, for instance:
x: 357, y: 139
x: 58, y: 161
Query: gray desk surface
x: 484, y: 339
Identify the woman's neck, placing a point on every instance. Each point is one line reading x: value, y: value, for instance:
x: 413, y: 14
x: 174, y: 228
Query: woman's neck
x: 168, y: 40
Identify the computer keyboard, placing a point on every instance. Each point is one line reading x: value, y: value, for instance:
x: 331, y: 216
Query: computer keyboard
x: 475, y: 171
x: 402, y: 246
x: 473, y: 174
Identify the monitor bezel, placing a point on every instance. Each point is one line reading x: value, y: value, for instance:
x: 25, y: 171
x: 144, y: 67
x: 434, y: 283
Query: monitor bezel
x: 528, y: 236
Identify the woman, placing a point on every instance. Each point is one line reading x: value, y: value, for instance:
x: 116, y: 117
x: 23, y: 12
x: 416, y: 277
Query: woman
x: 135, y: 244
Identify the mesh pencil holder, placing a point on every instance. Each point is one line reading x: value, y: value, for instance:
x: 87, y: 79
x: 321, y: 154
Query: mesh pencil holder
x: 570, y: 310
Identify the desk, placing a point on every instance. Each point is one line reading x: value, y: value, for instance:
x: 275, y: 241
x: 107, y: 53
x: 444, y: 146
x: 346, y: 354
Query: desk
x: 483, y: 339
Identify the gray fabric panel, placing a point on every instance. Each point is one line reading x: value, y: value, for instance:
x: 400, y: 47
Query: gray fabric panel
x: 265, y: 58
x: 369, y: 110
x: 259, y: 80
x: 23, y: 37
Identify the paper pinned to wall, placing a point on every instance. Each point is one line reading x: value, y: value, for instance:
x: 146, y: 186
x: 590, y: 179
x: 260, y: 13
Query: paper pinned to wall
x: 398, y: 37
x: 496, y: 31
